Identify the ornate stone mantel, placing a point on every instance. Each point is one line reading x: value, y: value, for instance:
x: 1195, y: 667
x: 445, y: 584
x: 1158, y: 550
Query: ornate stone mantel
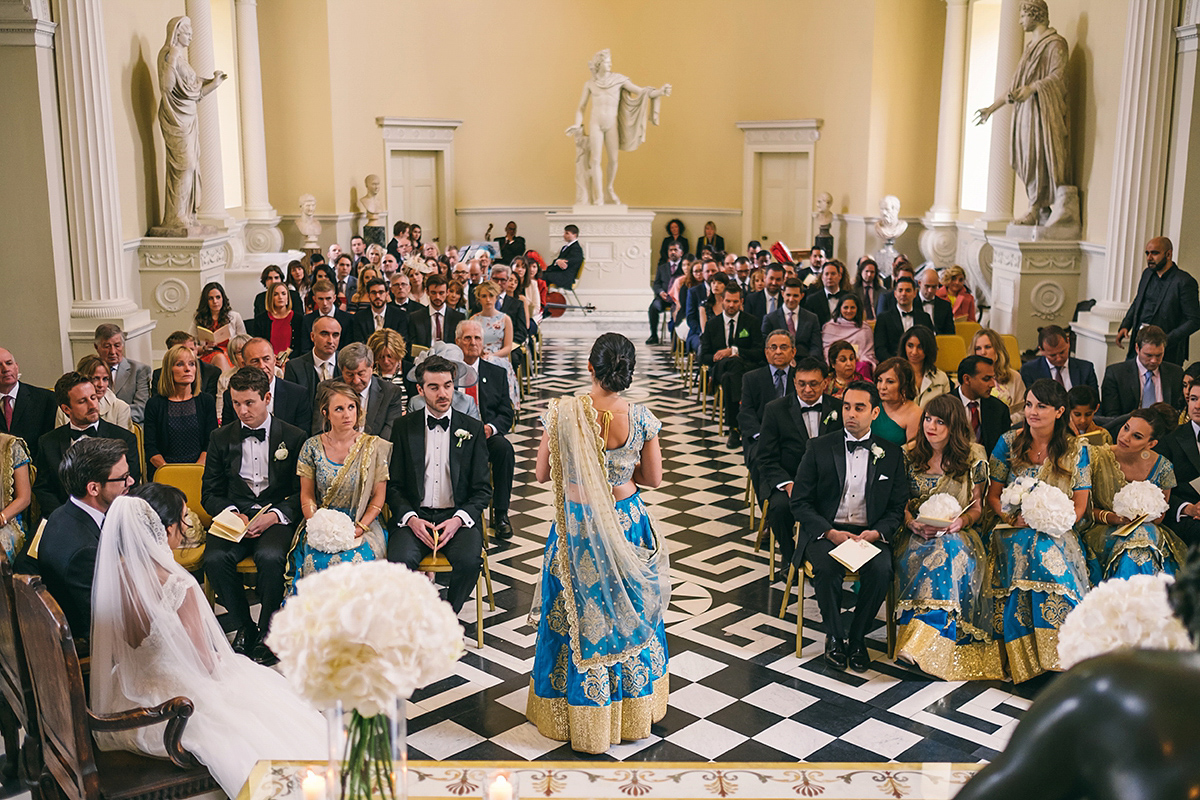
x: 618, y: 256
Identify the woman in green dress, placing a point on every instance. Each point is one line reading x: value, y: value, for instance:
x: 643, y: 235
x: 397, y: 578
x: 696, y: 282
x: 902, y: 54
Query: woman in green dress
x: 899, y: 417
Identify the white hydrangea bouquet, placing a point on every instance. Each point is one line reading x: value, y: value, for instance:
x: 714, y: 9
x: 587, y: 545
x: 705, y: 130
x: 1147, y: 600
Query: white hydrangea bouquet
x: 1047, y: 509
x: 330, y: 531
x: 1122, y: 614
x: 939, y: 511
x: 1013, y: 494
x: 358, y: 639
x: 1139, y: 500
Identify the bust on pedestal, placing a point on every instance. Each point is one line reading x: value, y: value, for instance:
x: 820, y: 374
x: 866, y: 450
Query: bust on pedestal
x: 308, y: 225
x: 824, y: 219
x: 372, y: 205
x: 889, y: 227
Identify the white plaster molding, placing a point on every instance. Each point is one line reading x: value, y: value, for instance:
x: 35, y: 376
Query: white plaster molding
x: 1187, y: 38
x: 27, y: 33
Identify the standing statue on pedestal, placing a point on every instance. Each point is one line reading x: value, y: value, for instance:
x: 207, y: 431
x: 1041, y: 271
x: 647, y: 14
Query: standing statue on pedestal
x: 181, y: 91
x: 620, y: 113
x: 308, y: 224
x: 1041, y: 122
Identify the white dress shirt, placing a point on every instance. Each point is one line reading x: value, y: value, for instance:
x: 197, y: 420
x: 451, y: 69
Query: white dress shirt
x: 906, y: 322
x: 439, y: 491
x: 1155, y: 381
x: 832, y: 300
x: 853, y: 508
x: 812, y: 422
x: 730, y: 342
x: 325, y: 369
x: 11, y: 393
x: 256, y: 464
x: 95, y: 514
x: 1066, y: 374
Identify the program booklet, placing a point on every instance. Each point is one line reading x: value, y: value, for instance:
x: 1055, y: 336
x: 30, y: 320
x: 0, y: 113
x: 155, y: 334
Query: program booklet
x: 853, y: 553
x: 219, y: 336
x: 228, y: 525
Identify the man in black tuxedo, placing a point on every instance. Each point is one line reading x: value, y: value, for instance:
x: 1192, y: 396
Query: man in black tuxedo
x: 797, y: 320
x: 1055, y: 363
x: 379, y: 314
x: 887, y: 300
x: 491, y: 396
x: 437, y: 320
x: 987, y: 416
x: 287, y: 401
x: 439, y: 483
x: 95, y: 473
x: 382, y: 402
x: 325, y: 305
x: 759, y: 387
x: 252, y: 463
x: 207, y: 375
x: 26, y: 411
x: 1167, y: 297
x: 318, y: 364
x: 510, y: 244
x: 892, y: 324
x: 789, y: 423
x: 861, y: 497
x: 77, y: 399
x: 936, y: 308
x: 1142, y: 381
x: 769, y: 299
x: 664, y: 276
x: 400, y: 288
x: 1180, y: 448
x: 564, y: 269
x: 730, y: 345
x: 823, y: 301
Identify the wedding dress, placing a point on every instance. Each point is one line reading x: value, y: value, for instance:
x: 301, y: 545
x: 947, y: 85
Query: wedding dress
x: 155, y: 637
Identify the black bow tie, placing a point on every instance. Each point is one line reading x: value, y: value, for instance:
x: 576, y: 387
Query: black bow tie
x: 906, y: 313
x: 254, y: 433
x: 94, y: 430
x: 443, y: 423
x: 852, y: 445
x: 809, y: 409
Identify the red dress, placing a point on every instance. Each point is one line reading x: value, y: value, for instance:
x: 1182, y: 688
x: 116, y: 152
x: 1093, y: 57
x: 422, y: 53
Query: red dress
x: 281, y: 332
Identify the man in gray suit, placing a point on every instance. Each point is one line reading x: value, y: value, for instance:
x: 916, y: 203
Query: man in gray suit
x: 130, y: 380
x: 383, y: 401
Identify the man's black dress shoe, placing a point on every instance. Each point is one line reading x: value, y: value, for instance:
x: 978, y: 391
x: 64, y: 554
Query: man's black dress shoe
x: 503, y: 528
x: 245, y: 640
x: 264, y: 656
x: 835, y: 653
x: 652, y: 340
x: 860, y: 660
x: 735, y: 439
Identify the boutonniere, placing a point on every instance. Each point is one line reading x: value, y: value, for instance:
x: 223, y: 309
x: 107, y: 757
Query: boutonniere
x: 830, y: 417
x: 877, y: 452
x: 281, y: 452
x: 462, y: 436
x: 743, y: 334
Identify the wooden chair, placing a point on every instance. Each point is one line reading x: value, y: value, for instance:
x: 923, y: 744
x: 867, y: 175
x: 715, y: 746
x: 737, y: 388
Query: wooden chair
x: 75, y: 769
x: 18, y: 710
x: 951, y: 350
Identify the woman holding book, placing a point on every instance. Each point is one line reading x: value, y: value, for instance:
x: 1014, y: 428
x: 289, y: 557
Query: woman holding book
x: 214, y: 324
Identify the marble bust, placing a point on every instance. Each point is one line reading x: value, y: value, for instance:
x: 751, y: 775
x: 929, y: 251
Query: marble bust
x: 621, y: 112
x: 889, y: 226
x: 823, y: 216
x: 371, y: 203
x: 307, y: 223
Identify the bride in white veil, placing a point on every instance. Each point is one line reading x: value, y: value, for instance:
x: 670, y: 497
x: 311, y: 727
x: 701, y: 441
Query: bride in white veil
x: 155, y: 637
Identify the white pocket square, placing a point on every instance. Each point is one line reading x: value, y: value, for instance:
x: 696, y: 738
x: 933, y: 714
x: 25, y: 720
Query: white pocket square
x: 881, y: 477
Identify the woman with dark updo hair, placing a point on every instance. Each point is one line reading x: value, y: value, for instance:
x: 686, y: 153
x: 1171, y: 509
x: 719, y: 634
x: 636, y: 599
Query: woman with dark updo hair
x: 600, y: 665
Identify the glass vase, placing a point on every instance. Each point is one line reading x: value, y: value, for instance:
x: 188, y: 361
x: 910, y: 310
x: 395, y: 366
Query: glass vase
x: 368, y: 756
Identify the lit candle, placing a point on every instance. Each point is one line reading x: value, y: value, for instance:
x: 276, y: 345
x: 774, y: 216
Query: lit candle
x: 500, y: 789
x: 313, y: 786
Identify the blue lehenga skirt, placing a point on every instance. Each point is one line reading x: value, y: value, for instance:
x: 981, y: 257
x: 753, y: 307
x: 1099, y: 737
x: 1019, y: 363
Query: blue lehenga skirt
x: 306, y: 560
x: 1146, y: 550
x: 595, y: 708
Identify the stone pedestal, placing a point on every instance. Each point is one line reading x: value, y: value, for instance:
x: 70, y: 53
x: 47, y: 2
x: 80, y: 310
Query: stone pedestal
x: 938, y: 241
x: 173, y: 271
x: 1034, y: 284
x: 619, y: 255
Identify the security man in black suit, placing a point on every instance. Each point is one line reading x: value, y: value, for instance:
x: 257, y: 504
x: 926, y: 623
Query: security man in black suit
x: 1167, y: 297
x: 26, y: 411
x: 730, y: 345
x: 987, y: 416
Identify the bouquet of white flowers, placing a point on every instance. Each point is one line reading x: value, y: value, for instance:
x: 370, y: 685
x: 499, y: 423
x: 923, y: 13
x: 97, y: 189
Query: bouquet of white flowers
x: 1013, y: 494
x: 330, y: 531
x: 1048, y: 509
x: 939, y: 511
x: 1119, y: 614
x: 1140, y: 499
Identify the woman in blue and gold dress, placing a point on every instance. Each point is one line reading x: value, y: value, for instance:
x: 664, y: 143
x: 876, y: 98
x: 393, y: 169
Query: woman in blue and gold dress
x: 943, y: 624
x: 600, y: 665
x: 1037, y: 578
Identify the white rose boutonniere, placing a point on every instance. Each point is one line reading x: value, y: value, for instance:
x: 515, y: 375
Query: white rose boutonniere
x: 281, y: 452
x: 462, y: 436
x: 831, y: 416
x: 877, y: 452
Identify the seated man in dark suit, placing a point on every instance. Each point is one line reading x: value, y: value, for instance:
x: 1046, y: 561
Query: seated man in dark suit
x: 26, y: 411
x: 823, y: 300
x: 1180, y: 448
x: 799, y: 321
x: 696, y: 298
x: 768, y: 299
x: 887, y: 300
x: 318, y: 364
x: 251, y: 463
x: 324, y: 297
x: 496, y: 413
x: 788, y: 425
x: 437, y: 320
x: 891, y: 325
x: 436, y: 488
x: 514, y: 307
x: 288, y: 401
x: 664, y: 276
x: 77, y: 399
x: 1144, y: 380
x: 1055, y: 362
x: 207, y: 375
x: 564, y: 269
x: 95, y: 473
x: 850, y: 485
x: 759, y: 387
x: 987, y: 416
x: 936, y: 308
x: 379, y: 314
x: 381, y: 402
x: 731, y: 345
x: 400, y: 289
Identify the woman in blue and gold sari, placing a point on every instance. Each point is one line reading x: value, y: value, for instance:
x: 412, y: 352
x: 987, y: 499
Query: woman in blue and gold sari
x: 1036, y: 578
x: 1115, y: 549
x: 600, y: 665
x: 943, y: 625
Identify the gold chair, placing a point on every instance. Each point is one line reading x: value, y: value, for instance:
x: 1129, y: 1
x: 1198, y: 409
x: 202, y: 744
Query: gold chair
x: 141, y: 448
x: 951, y: 351
x: 1014, y: 350
x: 965, y: 330
x: 438, y: 563
x: 763, y: 531
x: 187, y: 478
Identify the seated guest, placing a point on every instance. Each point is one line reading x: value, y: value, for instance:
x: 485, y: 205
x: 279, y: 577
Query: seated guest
x: 343, y: 267
x: 95, y: 472
x: 358, y: 300
x: 324, y: 305
x: 438, y: 320
x: 1056, y: 362
x: 812, y: 270
x: 235, y: 356
x: 381, y: 403
x: 936, y: 308
x: 1082, y: 404
x: 1113, y: 549
x: 764, y: 302
x: 389, y: 349
x: 26, y: 411
x: 16, y: 492
x: 893, y: 323
x: 668, y: 270
x: 288, y: 401
x: 955, y: 292
x: 1180, y: 448
x: 869, y: 286
x: 887, y: 300
x: 77, y: 398
x: 272, y: 275
x: 843, y: 368
x: 178, y: 421
x: 899, y: 417
x: 214, y: 315
x: 1144, y: 380
x: 711, y: 239
x: 496, y: 414
x: 533, y: 288
x: 1190, y: 375
x: 130, y: 380
x: 693, y: 272
x: 731, y: 345
x: 1009, y: 385
x: 464, y: 378
x: 251, y: 463
x: 696, y: 298
x: 824, y: 301
x: 319, y: 363
x: 280, y: 322
x: 454, y: 297
x: 759, y: 387
x: 944, y: 623
x: 564, y: 270
x: 379, y: 313
x: 400, y: 245
x: 713, y: 303
x: 112, y: 408
x: 510, y: 244
x: 797, y: 320
x: 987, y: 416
x: 513, y: 305
x: 299, y: 282
x: 847, y: 325
x: 497, y: 335
x: 675, y: 229
x: 1037, y: 578
x: 436, y: 489
x: 416, y: 282
x: 208, y: 377
x: 833, y: 505
x: 789, y: 423
x: 918, y: 346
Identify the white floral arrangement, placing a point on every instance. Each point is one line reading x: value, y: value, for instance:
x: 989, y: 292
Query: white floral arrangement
x: 940, y: 507
x: 1140, y: 499
x: 364, y: 634
x: 1047, y: 509
x: 1013, y: 494
x: 1122, y: 614
x: 330, y: 531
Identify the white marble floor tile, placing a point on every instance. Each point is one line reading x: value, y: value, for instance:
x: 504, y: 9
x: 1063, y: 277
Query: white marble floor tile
x: 794, y: 738
x: 880, y: 737
x: 706, y: 739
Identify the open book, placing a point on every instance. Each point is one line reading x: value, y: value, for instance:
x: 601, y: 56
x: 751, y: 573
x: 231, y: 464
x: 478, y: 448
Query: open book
x: 853, y: 553
x: 228, y: 525
x: 220, y: 336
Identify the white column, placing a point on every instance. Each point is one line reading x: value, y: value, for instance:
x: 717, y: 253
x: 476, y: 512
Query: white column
x: 950, y: 114
x: 200, y: 55
x: 262, y: 222
x: 1000, y: 172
